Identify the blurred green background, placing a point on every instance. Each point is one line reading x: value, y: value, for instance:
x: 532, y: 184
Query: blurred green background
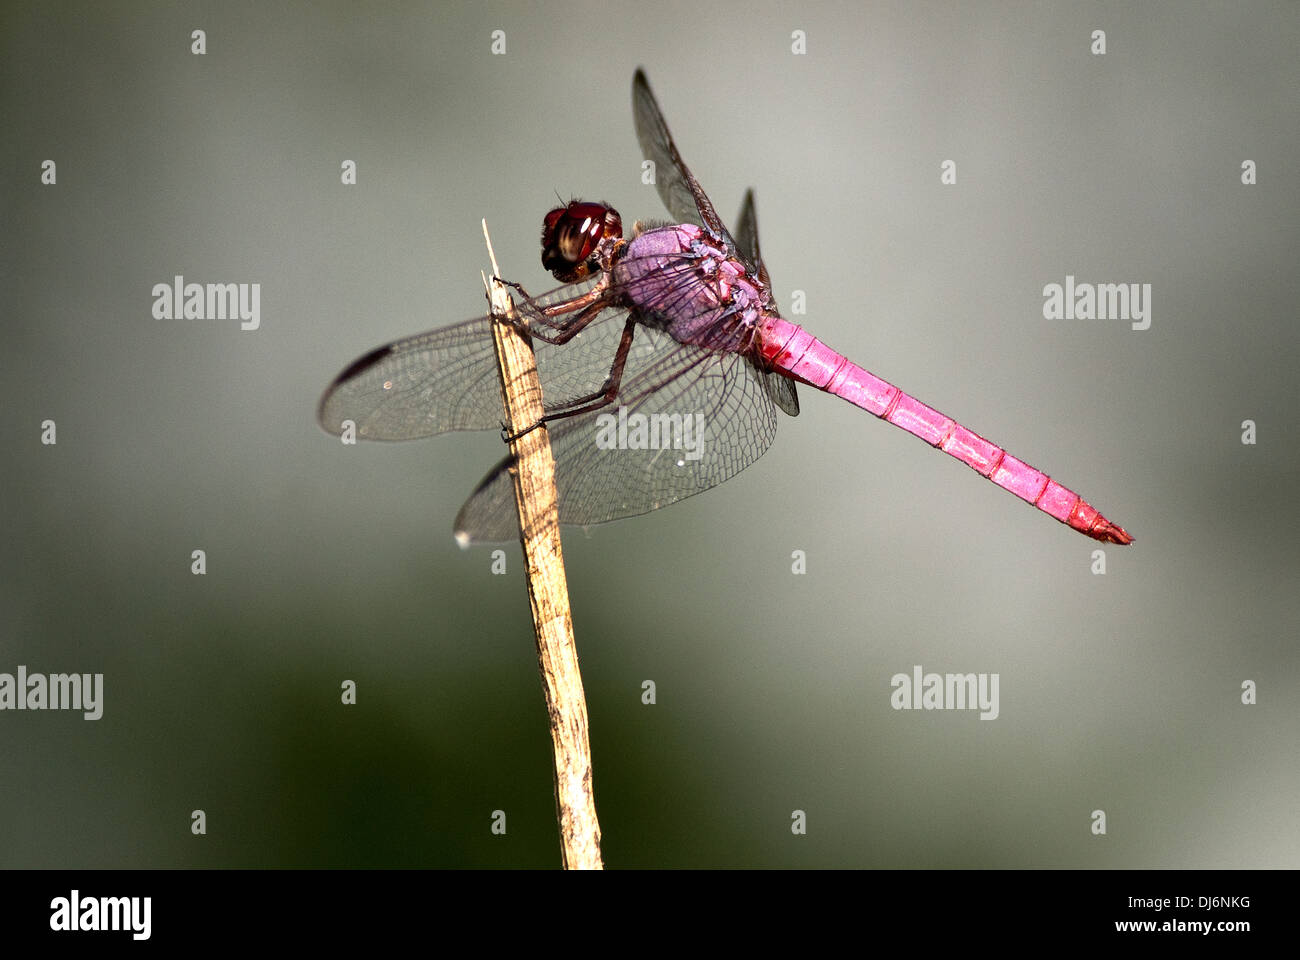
x: 326, y: 563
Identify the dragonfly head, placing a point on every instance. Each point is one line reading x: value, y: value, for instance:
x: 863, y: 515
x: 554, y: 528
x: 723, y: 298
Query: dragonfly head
x: 580, y: 239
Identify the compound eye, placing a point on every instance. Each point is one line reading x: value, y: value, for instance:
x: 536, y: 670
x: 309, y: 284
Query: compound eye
x: 570, y: 236
x: 575, y: 241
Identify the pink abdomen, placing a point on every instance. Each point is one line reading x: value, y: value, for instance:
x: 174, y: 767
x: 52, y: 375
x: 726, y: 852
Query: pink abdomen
x: 793, y: 351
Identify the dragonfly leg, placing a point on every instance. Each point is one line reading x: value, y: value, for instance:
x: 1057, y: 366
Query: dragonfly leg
x: 517, y: 288
x: 571, y: 326
x: 603, y: 397
x: 608, y: 392
x: 554, y: 315
x: 566, y: 318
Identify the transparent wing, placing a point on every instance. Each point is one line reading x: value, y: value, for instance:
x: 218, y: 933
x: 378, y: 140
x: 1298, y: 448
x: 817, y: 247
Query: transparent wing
x: 781, y: 389
x: 747, y: 236
x: 690, y: 419
x: 678, y: 189
x: 418, y: 387
x: 447, y: 379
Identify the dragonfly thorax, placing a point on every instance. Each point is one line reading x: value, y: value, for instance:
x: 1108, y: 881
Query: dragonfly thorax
x: 680, y: 274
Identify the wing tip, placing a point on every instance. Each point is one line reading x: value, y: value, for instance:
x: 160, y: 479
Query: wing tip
x: 350, y: 372
x: 360, y: 364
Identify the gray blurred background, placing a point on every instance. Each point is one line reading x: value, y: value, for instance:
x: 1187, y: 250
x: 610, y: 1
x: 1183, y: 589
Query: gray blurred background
x: 327, y: 563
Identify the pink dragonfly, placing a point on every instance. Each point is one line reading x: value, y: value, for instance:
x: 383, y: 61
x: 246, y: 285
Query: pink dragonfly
x: 662, y: 360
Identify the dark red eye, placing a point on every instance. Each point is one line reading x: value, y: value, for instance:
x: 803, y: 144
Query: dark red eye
x: 572, y: 234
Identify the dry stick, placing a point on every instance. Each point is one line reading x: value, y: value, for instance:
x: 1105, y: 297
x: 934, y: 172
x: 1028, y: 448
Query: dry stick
x: 557, y: 655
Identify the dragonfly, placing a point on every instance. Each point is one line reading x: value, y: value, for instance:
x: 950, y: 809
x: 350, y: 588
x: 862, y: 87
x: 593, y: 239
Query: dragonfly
x: 663, y: 360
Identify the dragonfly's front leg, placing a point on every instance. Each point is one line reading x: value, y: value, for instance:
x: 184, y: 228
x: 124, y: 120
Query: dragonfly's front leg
x: 566, y: 318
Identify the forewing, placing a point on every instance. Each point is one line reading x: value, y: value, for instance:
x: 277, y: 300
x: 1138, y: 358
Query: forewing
x: 747, y: 236
x: 678, y: 189
x: 602, y: 474
x: 447, y: 379
x: 418, y: 387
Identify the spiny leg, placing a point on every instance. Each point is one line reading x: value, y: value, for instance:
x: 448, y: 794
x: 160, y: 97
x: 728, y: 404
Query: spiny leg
x: 603, y: 397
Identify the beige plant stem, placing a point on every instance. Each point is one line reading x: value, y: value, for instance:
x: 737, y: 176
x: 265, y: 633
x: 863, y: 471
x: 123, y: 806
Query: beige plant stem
x: 557, y: 655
